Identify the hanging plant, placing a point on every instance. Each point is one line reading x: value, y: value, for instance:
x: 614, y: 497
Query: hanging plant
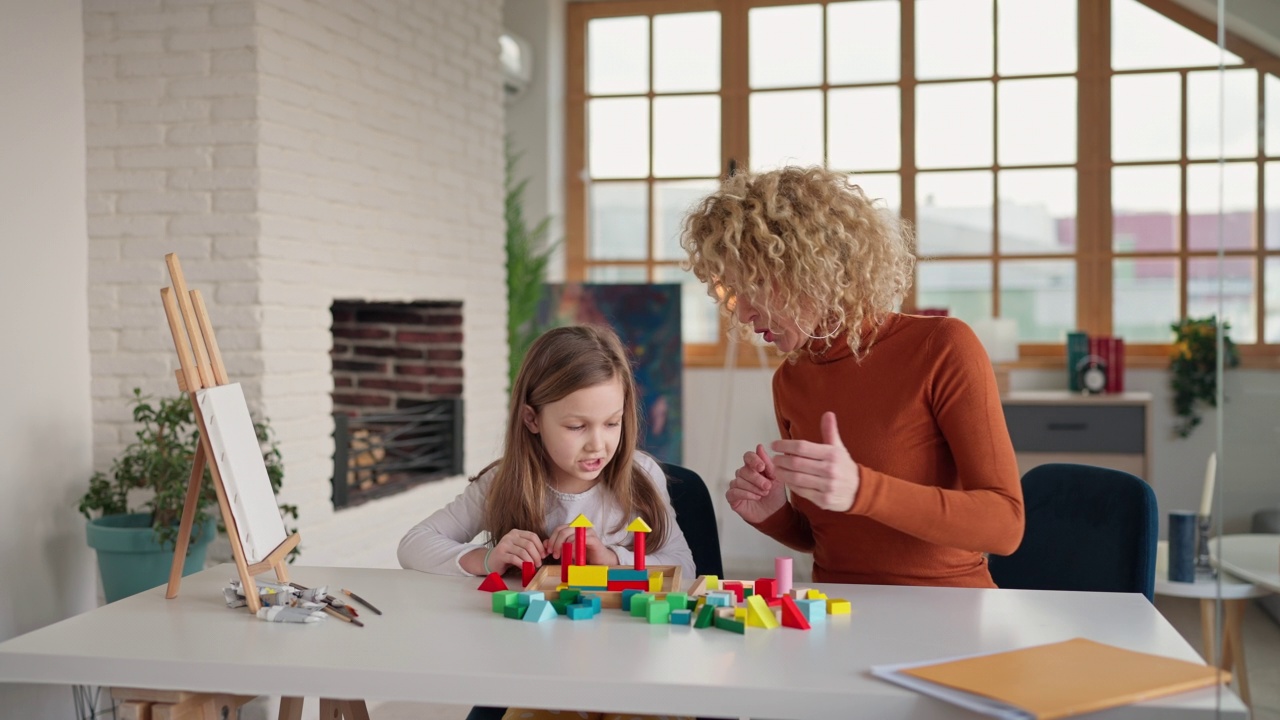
x: 1193, y: 368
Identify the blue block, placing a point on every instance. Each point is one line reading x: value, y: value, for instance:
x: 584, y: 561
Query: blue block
x: 588, y: 599
x: 681, y: 617
x: 720, y: 598
x: 623, y: 574
x: 539, y: 611
x: 579, y: 612
x: 526, y: 598
x: 815, y: 611
x: 589, y: 588
x: 626, y: 598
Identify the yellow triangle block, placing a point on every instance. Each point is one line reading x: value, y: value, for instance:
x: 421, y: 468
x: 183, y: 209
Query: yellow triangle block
x: 581, y: 521
x: 759, y: 614
x: 637, y: 525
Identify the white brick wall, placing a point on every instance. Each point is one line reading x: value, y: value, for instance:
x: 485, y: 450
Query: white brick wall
x: 294, y: 152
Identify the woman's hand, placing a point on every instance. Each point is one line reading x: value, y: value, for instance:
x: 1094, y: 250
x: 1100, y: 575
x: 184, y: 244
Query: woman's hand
x: 754, y: 493
x: 514, y: 550
x: 822, y: 473
x: 597, y: 553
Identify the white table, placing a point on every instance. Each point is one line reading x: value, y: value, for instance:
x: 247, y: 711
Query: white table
x: 1255, y: 558
x: 438, y: 641
x: 1235, y: 593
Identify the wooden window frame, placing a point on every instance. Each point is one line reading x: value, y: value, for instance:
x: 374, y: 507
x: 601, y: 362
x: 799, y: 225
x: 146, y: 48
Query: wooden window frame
x: 1094, y: 254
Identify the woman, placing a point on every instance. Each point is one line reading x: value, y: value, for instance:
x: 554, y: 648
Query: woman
x: 894, y: 448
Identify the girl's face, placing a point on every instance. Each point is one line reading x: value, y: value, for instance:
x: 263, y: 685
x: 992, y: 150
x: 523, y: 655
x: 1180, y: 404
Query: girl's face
x: 783, y: 331
x: 580, y: 432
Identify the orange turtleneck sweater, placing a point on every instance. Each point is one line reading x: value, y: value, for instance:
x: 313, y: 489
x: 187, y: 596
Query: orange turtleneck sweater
x: 921, y: 417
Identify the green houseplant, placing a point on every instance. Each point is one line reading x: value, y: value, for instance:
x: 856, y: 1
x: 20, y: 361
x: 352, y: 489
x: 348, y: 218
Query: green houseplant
x: 1193, y: 368
x: 528, y: 254
x: 135, y: 507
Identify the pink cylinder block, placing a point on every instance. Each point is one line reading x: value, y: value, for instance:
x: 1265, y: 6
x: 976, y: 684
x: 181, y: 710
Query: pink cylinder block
x: 782, y: 575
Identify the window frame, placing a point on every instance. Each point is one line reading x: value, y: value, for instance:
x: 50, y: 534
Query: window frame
x: 1094, y: 253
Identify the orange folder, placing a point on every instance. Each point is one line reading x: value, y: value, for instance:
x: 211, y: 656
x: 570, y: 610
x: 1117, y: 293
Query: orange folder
x: 1069, y: 678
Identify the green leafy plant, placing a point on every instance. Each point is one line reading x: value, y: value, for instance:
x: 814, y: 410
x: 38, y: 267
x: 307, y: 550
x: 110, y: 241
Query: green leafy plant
x: 528, y: 254
x: 159, y: 461
x: 1193, y: 368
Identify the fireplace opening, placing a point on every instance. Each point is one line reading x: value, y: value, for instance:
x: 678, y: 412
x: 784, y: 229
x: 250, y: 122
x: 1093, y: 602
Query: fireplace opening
x: 397, y: 398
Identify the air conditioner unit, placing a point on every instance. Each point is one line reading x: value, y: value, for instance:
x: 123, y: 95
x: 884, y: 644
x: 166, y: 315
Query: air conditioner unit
x: 516, y: 55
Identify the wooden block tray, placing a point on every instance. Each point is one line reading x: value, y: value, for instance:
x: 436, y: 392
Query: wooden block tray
x: 548, y: 577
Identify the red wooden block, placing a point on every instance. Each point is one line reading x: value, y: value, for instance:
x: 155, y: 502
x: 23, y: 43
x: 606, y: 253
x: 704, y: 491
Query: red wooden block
x: 526, y: 574
x: 619, y: 585
x: 776, y: 602
x: 791, y: 615
x: 734, y: 587
x: 566, y: 559
x: 766, y: 588
x: 493, y: 583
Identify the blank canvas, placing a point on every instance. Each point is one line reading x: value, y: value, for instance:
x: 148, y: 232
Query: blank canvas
x: 244, y: 474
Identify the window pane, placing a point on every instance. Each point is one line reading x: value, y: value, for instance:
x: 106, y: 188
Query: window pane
x: 686, y: 136
x: 884, y: 189
x: 686, y: 52
x: 1037, y: 211
x: 963, y: 287
x: 1272, y: 301
x: 618, y: 132
x: 1144, y: 298
x: 1036, y: 37
x: 699, y: 314
x: 1238, y: 299
x: 1239, y: 187
x: 953, y: 39
x: 954, y: 125
x: 1146, y: 203
x: 1271, y: 88
x: 785, y: 46
x: 1143, y: 38
x: 1041, y: 295
x: 1145, y: 117
x: 862, y: 41
x: 672, y: 201
x: 618, y: 55
x: 616, y: 274
x: 618, y: 224
x: 1240, y: 134
x: 786, y: 128
x: 863, y: 129
x: 1272, y: 200
x: 953, y: 213
x: 1037, y: 121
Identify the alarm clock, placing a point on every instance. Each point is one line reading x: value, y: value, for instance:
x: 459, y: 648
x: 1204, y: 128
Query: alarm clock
x: 1091, y: 372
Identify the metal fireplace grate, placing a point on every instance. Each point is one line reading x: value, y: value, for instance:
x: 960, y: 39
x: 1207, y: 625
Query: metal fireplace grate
x: 379, y: 455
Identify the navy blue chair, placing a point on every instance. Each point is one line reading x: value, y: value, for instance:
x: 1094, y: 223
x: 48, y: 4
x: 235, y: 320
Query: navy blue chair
x: 1088, y: 528
x: 696, y: 517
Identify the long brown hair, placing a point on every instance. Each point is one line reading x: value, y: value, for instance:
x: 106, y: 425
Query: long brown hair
x: 560, y: 362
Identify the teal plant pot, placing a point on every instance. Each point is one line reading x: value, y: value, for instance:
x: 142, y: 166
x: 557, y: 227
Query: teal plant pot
x: 132, y: 560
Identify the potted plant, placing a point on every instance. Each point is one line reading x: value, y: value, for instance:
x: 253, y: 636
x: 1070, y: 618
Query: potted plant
x: 134, y: 509
x: 528, y: 254
x: 1193, y: 368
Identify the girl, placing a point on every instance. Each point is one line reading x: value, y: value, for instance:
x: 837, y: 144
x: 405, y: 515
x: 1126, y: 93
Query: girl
x: 570, y: 449
x: 895, y: 454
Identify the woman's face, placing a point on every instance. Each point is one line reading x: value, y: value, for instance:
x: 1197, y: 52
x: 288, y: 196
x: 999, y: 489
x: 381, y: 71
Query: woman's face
x: 787, y: 333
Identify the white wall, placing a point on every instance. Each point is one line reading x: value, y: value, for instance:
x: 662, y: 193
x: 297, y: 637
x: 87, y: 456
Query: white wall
x: 47, y: 571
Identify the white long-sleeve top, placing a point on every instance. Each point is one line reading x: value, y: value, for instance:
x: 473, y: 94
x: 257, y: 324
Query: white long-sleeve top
x: 436, y: 544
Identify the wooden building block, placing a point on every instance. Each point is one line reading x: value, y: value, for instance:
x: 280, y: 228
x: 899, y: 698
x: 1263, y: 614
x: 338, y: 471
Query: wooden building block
x: 815, y: 611
x: 791, y: 615
x: 493, y: 582
x: 836, y: 606
x: 658, y: 612
x: 504, y: 599
x: 765, y: 588
x: 759, y: 615
x: 678, y: 600
x: 539, y: 611
x: 515, y: 612
x: 625, y: 573
x: 640, y: 604
x: 596, y: 576
x: 706, y: 616
x: 579, y: 612
x: 730, y: 625
x: 526, y: 573
x: 655, y: 582
x: 681, y: 617
x: 523, y: 599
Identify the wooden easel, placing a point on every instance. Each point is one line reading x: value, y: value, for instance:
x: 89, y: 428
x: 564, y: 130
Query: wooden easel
x: 202, y: 367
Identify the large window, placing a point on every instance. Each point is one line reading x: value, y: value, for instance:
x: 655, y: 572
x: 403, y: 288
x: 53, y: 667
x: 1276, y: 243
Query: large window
x: 1066, y: 179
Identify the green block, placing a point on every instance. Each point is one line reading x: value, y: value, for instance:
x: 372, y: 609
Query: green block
x: 560, y: 605
x: 677, y: 600
x: 747, y: 592
x: 640, y: 604
x: 658, y: 612
x: 515, y: 612
x: 731, y: 625
x: 692, y: 604
x: 705, y: 617
x: 569, y: 595
x: 503, y: 599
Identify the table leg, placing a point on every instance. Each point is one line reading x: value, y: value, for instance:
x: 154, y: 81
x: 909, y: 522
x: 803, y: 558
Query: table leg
x: 1233, y: 624
x: 353, y: 709
x: 329, y: 710
x: 290, y: 708
x: 1207, y: 633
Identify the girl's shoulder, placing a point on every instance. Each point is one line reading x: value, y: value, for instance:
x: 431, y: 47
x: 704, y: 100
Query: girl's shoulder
x: 652, y: 470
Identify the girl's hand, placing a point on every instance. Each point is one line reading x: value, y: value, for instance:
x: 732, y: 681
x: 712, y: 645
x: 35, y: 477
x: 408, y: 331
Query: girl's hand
x: 514, y: 550
x: 822, y: 473
x: 597, y: 553
x: 754, y: 493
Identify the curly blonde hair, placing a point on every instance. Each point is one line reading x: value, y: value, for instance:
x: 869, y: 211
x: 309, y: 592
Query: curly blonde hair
x: 810, y: 243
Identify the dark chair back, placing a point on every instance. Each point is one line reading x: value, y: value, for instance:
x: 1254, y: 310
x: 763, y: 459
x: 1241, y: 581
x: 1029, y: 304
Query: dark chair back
x: 696, y: 517
x: 1088, y: 528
